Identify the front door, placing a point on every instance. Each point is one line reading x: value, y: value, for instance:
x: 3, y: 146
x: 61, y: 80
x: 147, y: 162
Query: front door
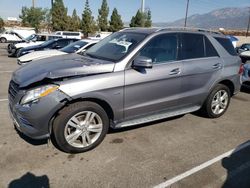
x: 157, y: 89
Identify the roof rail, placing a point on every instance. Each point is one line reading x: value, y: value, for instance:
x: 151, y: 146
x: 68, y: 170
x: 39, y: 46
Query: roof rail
x: 188, y: 29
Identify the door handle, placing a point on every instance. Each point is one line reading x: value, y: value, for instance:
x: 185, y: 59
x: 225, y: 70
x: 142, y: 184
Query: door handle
x: 175, y: 71
x: 217, y: 66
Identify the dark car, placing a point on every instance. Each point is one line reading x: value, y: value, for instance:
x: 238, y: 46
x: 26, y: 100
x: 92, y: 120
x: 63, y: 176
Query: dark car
x: 32, y: 40
x: 51, y: 44
x: 243, y: 52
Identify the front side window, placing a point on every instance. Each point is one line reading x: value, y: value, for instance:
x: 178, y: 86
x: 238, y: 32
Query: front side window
x: 115, y: 46
x: 192, y: 46
x: 161, y: 48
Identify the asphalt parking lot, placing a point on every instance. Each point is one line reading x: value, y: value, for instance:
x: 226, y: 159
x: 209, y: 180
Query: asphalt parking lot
x: 187, y: 151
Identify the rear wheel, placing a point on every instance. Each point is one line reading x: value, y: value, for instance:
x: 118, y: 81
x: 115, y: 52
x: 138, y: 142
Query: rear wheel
x: 80, y: 127
x: 3, y: 40
x: 217, y: 102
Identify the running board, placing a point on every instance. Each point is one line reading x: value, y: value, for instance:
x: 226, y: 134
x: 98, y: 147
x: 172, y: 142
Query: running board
x: 155, y: 117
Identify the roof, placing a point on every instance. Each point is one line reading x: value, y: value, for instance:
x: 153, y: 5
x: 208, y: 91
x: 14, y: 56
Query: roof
x: 171, y: 29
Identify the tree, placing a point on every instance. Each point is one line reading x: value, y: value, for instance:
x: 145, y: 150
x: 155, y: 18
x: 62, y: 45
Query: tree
x: 59, y: 16
x: 1, y: 23
x: 103, y: 16
x: 137, y: 20
x: 33, y: 16
x: 148, y: 22
x: 88, y: 23
x: 74, y: 22
x: 115, y: 23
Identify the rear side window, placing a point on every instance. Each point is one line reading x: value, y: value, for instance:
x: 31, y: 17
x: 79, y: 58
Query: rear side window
x: 227, y: 45
x: 192, y: 46
x: 210, y: 50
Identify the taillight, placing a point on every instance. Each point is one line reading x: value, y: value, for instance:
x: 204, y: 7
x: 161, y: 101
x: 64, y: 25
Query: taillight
x: 241, y: 70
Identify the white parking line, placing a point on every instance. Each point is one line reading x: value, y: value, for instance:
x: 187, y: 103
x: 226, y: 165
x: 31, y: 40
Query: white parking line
x: 200, y: 167
x: 3, y: 100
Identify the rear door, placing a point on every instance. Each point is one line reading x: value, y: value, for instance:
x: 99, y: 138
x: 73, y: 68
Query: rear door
x: 201, y: 67
x: 149, y: 91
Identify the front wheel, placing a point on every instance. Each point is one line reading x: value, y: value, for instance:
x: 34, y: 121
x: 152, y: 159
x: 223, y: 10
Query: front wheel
x: 217, y: 102
x: 80, y: 127
x: 3, y: 40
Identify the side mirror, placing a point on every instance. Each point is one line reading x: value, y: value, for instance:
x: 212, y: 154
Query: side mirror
x: 142, y: 62
x: 246, y: 49
x: 82, y: 52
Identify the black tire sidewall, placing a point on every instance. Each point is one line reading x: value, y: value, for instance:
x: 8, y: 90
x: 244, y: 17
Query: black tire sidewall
x: 208, y: 103
x: 3, y: 40
x: 62, y: 119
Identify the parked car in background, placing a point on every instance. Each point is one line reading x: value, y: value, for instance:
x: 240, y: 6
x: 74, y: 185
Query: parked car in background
x: 32, y: 40
x: 245, y: 56
x: 69, y: 34
x: 75, y: 47
x: 244, y: 47
x: 244, y: 52
x: 131, y: 77
x: 100, y: 35
x: 246, y: 73
x: 16, y: 35
x: 50, y: 44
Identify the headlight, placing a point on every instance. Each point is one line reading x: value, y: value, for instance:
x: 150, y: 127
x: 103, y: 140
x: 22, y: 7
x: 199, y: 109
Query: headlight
x: 35, y: 94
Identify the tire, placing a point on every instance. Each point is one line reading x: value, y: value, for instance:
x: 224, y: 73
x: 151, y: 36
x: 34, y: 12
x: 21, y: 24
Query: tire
x: 243, y: 60
x: 3, y: 40
x: 70, y: 121
x: 215, y: 107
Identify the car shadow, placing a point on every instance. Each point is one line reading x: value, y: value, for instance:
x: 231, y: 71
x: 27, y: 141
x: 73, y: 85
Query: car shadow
x: 238, y: 167
x: 29, y: 180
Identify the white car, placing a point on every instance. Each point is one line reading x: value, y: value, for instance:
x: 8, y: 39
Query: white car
x: 245, y: 56
x: 15, y: 35
x: 69, y: 34
x: 75, y: 47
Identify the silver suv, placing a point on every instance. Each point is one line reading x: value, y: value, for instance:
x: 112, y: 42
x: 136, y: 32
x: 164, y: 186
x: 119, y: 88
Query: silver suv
x: 131, y: 77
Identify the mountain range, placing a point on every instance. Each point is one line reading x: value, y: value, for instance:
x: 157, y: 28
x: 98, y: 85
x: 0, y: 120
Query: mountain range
x: 228, y: 18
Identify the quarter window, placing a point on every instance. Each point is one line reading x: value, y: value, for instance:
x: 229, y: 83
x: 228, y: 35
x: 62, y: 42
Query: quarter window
x: 227, y: 45
x: 161, y: 48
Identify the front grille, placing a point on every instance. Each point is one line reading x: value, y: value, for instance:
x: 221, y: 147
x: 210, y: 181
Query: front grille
x: 13, y: 90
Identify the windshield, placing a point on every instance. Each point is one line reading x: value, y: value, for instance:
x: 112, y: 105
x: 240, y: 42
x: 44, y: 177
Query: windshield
x: 29, y: 38
x: 73, y: 47
x: 116, y: 46
x: 46, y: 43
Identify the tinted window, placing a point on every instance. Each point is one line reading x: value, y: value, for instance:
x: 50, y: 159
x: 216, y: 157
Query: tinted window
x: 192, y: 46
x: 71, y: 34
x: 63, y: 43
x: 245, y: 46
x: 115, y: 46
x: 210, y: 50
x: 161, y: 48
x: 227, y: 44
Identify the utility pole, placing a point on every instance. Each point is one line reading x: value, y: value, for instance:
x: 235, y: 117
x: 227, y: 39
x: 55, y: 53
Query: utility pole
x: 248, y: 23
x: 185, y: 25
x: 143, y: 6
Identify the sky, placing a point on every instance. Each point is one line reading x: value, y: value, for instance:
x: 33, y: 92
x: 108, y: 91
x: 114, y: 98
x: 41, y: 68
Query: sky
x: 162, y: 10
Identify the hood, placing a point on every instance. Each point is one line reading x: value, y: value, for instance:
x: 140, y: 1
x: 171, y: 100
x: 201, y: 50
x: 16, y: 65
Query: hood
x: 27, y: 44
x: 60, y: 67
x: 245, y: 53
x: 39, y: 55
